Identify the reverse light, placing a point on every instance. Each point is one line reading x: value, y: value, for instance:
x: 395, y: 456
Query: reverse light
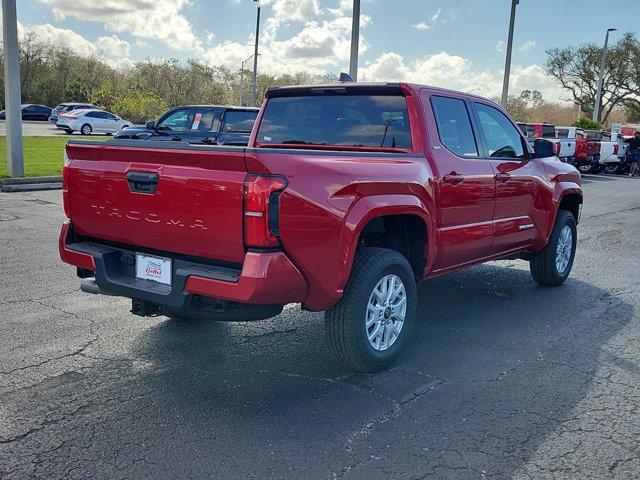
x: 65, y: 185
x: 261, y: 210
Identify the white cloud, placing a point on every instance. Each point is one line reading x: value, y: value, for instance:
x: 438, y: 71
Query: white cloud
x: 320, y: 42
x: 62, y: 37
x: 458, y: 73
x: 114, y: 46
x: 433, y: 20
x: 500, y: 46
x: 153, y: 19
x: 296, y: 10
x: 528, y: 45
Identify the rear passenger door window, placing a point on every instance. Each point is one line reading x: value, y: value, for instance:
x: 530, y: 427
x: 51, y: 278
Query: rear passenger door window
x: 501, y: 137
x: 454, y: 126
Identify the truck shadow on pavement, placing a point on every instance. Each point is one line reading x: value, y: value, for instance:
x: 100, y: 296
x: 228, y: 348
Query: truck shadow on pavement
x: 495, y: 366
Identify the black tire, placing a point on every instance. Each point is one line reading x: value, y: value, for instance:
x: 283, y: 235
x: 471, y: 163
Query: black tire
x: 345, y: 322
x: 86, y: 129
x: 69, y: 131
x: 543, y: 264
x: 586, y: 168
x: 611, y: 168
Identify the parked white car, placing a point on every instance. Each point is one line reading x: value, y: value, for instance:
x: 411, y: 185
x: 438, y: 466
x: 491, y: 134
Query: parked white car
x: 91, y: 121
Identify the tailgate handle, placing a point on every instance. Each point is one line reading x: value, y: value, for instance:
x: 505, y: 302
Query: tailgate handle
x: 142, y: 182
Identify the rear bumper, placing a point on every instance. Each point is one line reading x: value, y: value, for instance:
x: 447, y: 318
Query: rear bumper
x: 265, y: 278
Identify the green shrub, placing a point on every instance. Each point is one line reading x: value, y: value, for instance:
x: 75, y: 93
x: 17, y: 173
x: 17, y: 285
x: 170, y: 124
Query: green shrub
x: 139, y: 106
x: 587, y: 124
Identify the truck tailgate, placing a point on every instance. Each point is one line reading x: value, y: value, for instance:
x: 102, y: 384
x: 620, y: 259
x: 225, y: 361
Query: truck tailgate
x: 163, y: 196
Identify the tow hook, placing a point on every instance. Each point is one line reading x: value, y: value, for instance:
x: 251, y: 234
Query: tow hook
x: 144, y: 308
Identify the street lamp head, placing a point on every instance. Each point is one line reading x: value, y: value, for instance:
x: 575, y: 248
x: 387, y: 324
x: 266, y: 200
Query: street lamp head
x: 611, y: 29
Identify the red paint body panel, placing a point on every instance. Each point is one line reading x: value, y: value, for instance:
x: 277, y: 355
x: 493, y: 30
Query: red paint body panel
x: 77, y: 259
x: 330, y: 196
x: 265, y: 278
x: 196, y: 209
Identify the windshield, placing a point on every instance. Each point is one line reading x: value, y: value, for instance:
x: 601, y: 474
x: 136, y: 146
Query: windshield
x: 349, y: 120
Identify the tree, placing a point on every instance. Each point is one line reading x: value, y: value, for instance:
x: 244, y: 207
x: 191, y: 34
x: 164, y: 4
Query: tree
x: 577, y: 70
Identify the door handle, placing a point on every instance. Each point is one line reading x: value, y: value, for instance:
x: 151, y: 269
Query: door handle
x: 503, y: 177
x: 142, y: 182
x: 176, y: 138
x: 453, y: 178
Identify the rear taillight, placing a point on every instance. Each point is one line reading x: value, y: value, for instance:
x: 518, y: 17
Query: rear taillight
x: 557, y: 148
x: 71, y: 117
x: 65, y: 185
x: 615, y: 149
x: 261, y: 210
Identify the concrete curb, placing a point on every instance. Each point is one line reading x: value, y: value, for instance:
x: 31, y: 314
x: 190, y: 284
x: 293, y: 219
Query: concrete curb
x: 30, y: 184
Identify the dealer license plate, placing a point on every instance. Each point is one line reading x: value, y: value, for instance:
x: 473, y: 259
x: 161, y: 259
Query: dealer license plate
x: 157, y: 269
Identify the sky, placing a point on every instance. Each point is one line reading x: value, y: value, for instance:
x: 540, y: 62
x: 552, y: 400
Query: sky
x: 458, y: 44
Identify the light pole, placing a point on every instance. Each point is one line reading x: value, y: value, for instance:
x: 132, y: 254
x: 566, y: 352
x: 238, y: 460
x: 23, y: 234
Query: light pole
x: 254, y: 93
x: 355, y: 40
x: 15, y: 150
x: 603, y: 59
x: 242, y: 78
x: 507, y: 63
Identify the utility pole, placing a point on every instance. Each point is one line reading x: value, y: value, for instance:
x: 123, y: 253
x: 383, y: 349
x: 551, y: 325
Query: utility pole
x: 254, y: 94
x: 507, y: 63
x: 355, y: 40
x: 603, y: 59
x: 15, y: 150
x: 242, y: 80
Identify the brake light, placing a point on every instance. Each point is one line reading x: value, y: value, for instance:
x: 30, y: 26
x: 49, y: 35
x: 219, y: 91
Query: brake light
x: 70, y: 117
x: 65, y: 185
x: 615, y: 149
x: 261, y: 209
x: 557, y: 148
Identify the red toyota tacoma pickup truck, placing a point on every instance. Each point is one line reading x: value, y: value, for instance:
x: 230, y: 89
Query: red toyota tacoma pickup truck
x: 346, y: 196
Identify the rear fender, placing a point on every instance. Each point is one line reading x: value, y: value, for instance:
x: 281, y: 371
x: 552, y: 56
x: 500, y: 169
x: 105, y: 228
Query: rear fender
x: 560, y: 190
x: 375, y: 206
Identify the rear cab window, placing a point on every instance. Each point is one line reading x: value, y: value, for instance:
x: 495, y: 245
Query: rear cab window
x: 341, y: 117
x: 548, y: 131
x: 236, y: 121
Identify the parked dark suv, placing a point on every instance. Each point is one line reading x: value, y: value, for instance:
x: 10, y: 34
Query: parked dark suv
x: 210, y: 124
x: 68, y: 107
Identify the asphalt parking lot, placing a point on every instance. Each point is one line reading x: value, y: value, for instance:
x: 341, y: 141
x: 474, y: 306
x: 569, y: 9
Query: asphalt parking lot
x: 504, y: 379
x: 35, y: 129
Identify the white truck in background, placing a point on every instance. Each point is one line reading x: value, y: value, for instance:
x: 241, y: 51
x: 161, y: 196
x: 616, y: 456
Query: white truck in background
x: 612, y: 150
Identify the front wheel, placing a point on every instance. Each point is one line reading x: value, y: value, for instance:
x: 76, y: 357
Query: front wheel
x: 369, y: 326
x: 552, y: 265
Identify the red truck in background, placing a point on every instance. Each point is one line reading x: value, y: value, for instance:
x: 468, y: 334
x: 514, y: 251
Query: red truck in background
x: 346, y: 195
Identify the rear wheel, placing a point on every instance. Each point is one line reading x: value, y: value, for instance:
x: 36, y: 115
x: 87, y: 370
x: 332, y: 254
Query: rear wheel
x: 86, y: 129
x: 611, y: 168
x: 586, y: 168
x: 552, y: 265
x: 369, y: 326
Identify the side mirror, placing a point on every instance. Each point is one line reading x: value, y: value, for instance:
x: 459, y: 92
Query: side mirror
x: 543, y: 148
x: 150, y: 125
